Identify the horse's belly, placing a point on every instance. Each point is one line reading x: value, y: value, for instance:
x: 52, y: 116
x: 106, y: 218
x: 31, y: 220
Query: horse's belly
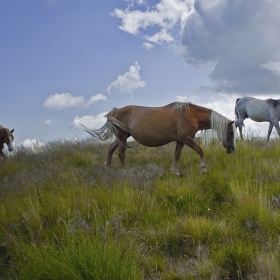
x: 153, y: 139
x: 259, y: 115
x: 258, y: 118
x: 152, y: 132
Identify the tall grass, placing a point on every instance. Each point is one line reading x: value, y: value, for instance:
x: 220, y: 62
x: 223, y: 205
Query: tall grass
x: 63, y: 215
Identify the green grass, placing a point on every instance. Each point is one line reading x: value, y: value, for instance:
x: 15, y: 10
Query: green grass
x: 63, y: 215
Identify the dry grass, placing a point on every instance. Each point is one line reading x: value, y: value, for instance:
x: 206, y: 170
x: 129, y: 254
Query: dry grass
x: 63, y: 215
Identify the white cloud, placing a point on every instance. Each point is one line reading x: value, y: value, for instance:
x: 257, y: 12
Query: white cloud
x: 32, y: 144
x: 61, y: 101
x: 180, y: 98
x: 160, y: 37
x: 238, y: 38
x: 166, y: 14
x: 95, y: 98
x: 148, y: 46
x: 223, y: 104
x: 94, y: 122
x: 51, y: 122
x: 191, y: 98
x: 48, y: 122
x: 129, y: 81
x: 273, y: 66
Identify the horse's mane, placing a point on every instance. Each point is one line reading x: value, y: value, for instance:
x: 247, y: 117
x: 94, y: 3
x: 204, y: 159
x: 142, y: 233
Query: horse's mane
x: 179, y: 106
x: 218, y: 128
x: 273, y: 102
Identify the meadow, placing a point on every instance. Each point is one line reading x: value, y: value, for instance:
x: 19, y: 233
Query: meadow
x: 63, y: 215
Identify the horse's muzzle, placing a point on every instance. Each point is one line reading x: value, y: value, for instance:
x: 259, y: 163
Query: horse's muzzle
x: 230, y: 149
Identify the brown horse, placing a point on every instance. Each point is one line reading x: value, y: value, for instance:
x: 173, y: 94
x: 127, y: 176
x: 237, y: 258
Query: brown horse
x: 157, y: 126
x: 6, y: 137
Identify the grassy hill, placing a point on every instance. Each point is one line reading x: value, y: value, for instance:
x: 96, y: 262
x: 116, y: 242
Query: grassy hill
x: 63, y: 215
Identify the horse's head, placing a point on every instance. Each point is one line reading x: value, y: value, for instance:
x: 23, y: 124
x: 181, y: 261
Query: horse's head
x: 6, y: 136
x: 229, y: 144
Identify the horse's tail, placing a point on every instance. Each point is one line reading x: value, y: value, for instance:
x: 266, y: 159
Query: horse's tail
x: 112, y: 128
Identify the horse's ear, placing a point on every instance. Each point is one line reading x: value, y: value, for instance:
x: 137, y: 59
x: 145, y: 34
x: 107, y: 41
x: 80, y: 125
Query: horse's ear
x: 12, y: 130
x: 230, y: 123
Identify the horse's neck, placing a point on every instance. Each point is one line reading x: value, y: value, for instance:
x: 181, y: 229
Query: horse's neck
x: 203, y: 116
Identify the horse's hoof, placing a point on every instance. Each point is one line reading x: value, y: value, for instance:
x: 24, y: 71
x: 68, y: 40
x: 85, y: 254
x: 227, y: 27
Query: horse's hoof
x: 174, y: 171
x: 203, y: 170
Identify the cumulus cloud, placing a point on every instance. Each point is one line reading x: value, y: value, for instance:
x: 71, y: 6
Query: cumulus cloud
x: 95, y: 98
x: 128, y: 82
x: 59, y: 101
x: 239, y: 39
x: 165, y: 15
x: 160, y: 37
x: 32, y: 144
x: 94, y: 122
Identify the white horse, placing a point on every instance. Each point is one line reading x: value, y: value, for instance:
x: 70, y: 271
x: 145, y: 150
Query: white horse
x: 259, y: 111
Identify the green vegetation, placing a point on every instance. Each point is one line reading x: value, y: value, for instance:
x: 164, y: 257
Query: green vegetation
x: 63, y: 215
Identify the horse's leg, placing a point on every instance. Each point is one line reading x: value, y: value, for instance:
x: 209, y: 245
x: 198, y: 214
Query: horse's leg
x: 178, y: 150
x: 269, y: 131
x: 239, y: 124
x: 276, y: 125
x: 113, y: 146
x: 192, y: 144
x: 122, y: 148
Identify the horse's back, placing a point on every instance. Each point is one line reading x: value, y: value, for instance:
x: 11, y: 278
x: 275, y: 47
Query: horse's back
x: 150, y: 126
x: 256, y: 109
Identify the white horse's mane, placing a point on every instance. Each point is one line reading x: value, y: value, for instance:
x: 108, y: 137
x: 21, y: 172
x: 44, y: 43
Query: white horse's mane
x: 218, y: 128
x: 179, y: 106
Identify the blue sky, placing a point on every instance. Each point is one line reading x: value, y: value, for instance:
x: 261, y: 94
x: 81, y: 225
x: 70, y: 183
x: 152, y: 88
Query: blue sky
x: 67, y: 62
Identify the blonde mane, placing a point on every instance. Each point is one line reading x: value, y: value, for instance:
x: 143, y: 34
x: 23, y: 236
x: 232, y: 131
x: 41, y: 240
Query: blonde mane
x: 218, y: 128
x: 179, y: 106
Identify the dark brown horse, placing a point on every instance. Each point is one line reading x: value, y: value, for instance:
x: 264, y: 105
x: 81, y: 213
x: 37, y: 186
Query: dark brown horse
x: 6, y: 137
x: 157, y: 126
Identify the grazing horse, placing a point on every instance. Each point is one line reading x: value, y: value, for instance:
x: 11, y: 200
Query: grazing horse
x: 259, y: 111
x: 157, y: 126
x: 6, y: 137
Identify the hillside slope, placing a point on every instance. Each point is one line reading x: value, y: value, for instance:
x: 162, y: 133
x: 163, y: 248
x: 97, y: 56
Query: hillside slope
x: 63, y: 215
